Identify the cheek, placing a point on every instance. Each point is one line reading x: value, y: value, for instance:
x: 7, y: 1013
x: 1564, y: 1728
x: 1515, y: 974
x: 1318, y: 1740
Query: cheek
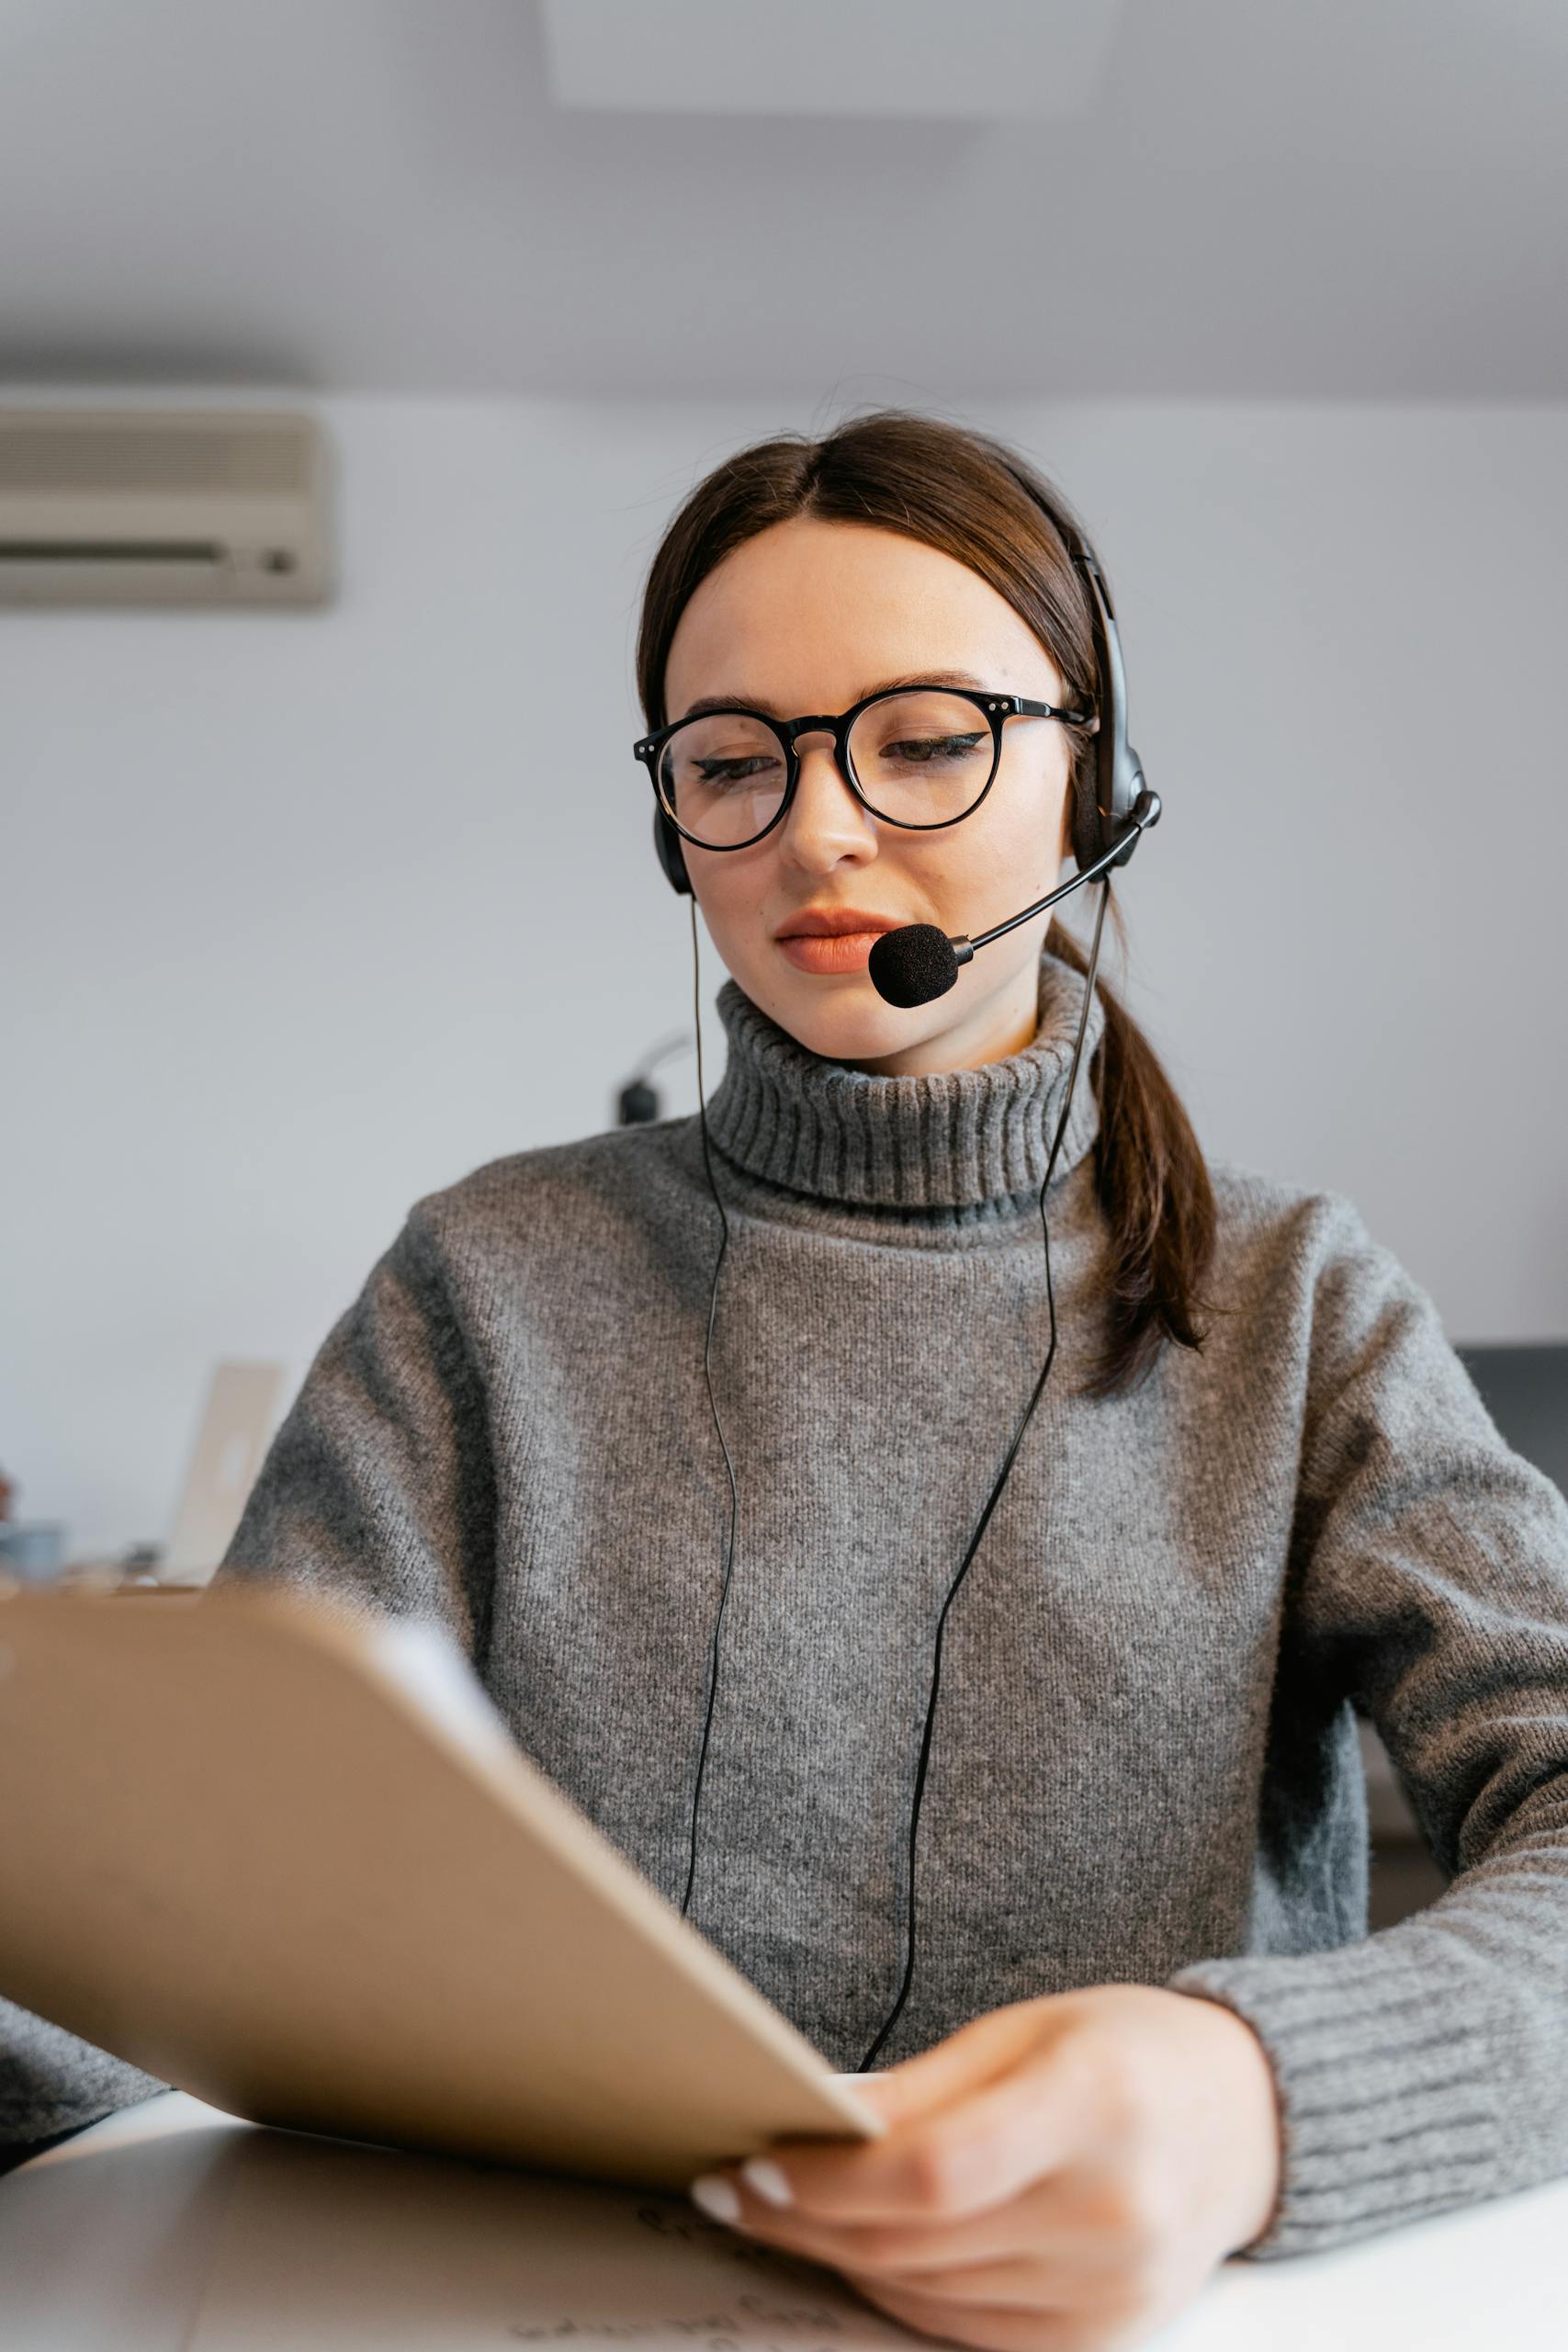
x: 731, y: 893
x: 990, y: 848
x: 1028, y: 830
x: 726, y: 886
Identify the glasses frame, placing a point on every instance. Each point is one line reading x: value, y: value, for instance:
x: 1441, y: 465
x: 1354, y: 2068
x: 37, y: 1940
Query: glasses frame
x: 996, y: 708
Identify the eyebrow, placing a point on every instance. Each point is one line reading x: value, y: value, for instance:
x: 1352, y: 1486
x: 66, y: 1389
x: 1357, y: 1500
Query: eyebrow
x: 888, y: 686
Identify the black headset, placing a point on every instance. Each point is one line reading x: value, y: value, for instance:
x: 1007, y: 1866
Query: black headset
x: 1111, y: 809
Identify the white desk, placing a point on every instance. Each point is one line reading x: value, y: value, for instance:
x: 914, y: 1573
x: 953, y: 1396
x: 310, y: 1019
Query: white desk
x: 171, y: 2228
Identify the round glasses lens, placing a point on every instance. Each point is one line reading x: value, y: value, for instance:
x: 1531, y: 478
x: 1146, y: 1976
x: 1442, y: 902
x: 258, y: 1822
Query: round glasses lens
x: 722, y: 778
x: 922, y: 758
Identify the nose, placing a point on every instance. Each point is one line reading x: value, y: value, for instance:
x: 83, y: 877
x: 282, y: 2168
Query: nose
x: 825, y: 822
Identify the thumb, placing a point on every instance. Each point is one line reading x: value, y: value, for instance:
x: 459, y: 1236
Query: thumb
x: 980, y: 2052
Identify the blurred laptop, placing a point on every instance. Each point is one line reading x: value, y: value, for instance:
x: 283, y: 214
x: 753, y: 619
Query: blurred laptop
x: 241, y: 1410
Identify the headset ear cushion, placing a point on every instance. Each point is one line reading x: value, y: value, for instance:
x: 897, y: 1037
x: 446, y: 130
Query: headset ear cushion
x: 671, y: 854
x: 1088, y: 841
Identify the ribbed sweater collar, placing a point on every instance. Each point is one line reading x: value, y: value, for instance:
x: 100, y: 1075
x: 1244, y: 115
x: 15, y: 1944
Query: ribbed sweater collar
x: 954, y: 1139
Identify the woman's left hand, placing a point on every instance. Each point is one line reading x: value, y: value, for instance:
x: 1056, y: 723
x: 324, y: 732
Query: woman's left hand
x: 1060, y: 2176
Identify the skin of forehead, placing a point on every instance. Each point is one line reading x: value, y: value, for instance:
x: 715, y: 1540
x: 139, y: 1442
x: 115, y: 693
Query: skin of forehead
x: 811, y: 616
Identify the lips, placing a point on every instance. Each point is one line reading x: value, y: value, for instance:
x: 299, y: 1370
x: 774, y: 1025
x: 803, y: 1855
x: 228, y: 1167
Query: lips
x: 832, y: 922
x: 831, y: 939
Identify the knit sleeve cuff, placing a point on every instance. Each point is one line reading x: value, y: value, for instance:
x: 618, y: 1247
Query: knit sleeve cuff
x: 1389, y: 2101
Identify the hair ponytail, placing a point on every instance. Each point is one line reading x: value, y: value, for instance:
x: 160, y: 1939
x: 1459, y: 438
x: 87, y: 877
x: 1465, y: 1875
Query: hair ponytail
x: 1154, y: 1190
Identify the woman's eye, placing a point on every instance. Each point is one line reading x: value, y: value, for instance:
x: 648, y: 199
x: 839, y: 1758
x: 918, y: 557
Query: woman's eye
x: 919, y: 748
x: 730, y: 771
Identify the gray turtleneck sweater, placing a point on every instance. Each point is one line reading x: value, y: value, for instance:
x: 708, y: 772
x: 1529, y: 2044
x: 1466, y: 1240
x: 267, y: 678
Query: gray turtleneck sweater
x: 1146, y: 1765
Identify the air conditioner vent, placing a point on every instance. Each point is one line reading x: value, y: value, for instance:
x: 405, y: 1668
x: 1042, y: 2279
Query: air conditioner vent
x: 158, y: 507
x: 225, y: 454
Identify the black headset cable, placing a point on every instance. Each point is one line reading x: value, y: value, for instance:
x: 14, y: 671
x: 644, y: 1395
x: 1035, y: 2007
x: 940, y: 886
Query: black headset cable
x: 984, y: 1520
x: 713, y: 1407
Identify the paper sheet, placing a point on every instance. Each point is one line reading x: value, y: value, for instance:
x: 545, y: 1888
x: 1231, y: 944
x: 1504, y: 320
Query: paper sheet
x: 367, y: 2250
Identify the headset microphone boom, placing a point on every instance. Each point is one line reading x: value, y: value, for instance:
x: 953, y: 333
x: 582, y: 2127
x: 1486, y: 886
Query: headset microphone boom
x: 917, y: 963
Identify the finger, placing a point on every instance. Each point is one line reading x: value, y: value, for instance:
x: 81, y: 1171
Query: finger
x: 881, y: 2249
x: 940, y: 2167
x: 1023, y: 2284
x: 991, y: 2328
x: 1060, y: 2233
x: 1068, y: 2230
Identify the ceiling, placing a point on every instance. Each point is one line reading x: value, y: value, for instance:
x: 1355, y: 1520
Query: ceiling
x: 1257, y: 198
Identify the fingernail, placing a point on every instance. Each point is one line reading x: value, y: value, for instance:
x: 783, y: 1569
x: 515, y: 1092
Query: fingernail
x: 765, y: 2176
x: 716, y: 2198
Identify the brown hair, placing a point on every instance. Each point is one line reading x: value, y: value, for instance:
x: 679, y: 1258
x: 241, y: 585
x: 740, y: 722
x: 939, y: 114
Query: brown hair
x: 964, y: 493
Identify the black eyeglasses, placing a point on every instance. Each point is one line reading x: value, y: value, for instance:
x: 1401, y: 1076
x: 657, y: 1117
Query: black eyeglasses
x: 919, y: 756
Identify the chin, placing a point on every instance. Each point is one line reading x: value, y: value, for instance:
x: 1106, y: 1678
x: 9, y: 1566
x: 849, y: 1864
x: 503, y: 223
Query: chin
x: 845, y: 1020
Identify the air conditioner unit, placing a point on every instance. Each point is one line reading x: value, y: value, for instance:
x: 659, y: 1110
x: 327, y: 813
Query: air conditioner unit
x: 157, y: 506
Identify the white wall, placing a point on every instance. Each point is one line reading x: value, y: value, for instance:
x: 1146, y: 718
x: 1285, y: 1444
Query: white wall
x: 307, y: 914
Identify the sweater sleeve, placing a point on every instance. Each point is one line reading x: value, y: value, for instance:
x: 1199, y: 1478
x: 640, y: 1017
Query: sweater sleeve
x: 51, y: 2082
x: 375, y: 1491
x: 1425, y: 2067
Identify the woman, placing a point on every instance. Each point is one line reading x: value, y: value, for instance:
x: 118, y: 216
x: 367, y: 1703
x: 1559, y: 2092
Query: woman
x: 693, y: 1468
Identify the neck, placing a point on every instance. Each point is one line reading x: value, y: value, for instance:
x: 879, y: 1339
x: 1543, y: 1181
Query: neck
x: 1001, y: 1025
x: 953, y: 1138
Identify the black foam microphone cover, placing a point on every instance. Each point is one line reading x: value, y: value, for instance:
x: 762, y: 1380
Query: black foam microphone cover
x: 913, y: 965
